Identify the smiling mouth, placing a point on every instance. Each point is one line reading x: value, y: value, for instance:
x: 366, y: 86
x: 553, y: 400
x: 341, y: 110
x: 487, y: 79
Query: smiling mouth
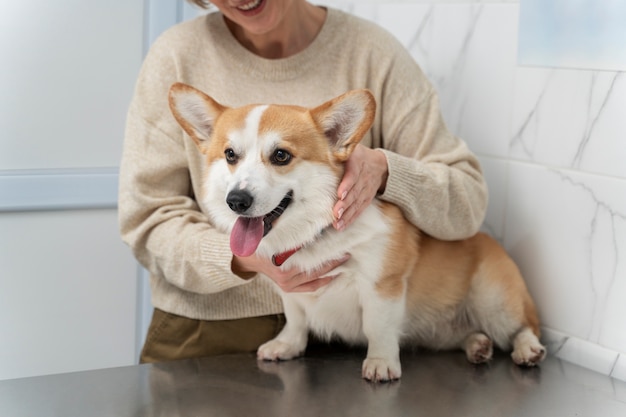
x: 247, y: 232
x: 250, y: 6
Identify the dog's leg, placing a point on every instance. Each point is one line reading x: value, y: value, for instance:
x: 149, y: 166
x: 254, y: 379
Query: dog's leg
x: 382, y: 324
x: 527, y: 350
x: 478, y: 348
x: 291, y: 341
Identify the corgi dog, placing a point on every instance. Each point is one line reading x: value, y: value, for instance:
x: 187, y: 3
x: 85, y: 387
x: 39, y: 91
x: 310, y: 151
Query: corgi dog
x: 273, y: 173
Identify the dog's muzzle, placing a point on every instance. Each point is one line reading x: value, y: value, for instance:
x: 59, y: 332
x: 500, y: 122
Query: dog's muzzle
x: 240, y: 202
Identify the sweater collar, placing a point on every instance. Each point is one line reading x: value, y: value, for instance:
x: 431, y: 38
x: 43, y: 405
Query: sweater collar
x: 276, y: 69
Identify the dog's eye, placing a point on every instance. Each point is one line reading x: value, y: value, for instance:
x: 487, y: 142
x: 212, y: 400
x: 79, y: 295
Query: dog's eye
x: 231, y: 156
x: 280, y: 157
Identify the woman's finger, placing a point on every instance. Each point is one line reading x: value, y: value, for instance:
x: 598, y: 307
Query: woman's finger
x: 312, y: 281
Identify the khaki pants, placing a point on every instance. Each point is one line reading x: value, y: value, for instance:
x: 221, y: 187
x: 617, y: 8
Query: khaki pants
x: 172, y: 337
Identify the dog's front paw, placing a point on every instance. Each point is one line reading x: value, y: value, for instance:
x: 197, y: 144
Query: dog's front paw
x: 381, y: 370
x: 275, y: 350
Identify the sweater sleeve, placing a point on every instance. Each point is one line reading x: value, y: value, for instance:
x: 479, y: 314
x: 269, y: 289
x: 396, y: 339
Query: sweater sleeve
x: 158, y: 215
x: 433, y: 176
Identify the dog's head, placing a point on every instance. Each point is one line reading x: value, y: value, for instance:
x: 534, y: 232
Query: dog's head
x: 272, y: 167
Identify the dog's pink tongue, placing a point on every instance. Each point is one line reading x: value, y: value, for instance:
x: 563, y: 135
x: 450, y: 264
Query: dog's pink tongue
x: 246, y: 235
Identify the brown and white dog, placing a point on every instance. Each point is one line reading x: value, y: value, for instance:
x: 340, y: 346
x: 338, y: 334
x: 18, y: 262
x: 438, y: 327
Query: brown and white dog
x: 274, y: 172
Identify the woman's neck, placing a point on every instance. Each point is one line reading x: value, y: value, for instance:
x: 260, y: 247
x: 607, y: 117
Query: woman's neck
x: 296, y: 32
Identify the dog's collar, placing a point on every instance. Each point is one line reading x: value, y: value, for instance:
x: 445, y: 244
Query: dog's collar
x: 279, y: 258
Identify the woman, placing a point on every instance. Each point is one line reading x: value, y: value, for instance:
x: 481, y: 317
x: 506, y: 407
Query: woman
x: 208, y: 301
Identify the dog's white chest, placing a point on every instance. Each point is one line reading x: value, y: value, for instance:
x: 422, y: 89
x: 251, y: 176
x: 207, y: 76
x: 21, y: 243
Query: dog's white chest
x: 336, y: 312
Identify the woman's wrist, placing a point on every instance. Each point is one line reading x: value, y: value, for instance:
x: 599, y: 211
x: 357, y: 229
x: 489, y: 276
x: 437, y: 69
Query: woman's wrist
x: 384, y: 168
x: 241, y: 268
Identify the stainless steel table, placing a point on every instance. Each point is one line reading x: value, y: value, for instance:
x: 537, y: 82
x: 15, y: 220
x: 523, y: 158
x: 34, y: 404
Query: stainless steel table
x: 433, y: 384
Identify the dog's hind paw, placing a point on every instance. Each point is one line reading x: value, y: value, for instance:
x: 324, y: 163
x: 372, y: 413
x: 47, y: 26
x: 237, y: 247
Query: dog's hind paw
x: 381, y: 370
x: 276, y: 350
x: 529, y: 355
x: 478, y: 348
x: 527, y: 350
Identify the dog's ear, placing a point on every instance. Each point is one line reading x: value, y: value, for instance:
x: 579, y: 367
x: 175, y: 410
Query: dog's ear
x: 195, y: 111
x: 345, y: 120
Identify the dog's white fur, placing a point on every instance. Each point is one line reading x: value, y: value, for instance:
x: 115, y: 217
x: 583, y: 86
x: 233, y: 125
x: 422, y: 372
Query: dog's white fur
x: 399, y: 286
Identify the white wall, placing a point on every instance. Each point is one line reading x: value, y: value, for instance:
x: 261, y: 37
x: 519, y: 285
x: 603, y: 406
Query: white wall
x: 67, y: 295
x: 552, y: 145
x: 68, y: 286
x: 72, y: 296
x: 68, y: 70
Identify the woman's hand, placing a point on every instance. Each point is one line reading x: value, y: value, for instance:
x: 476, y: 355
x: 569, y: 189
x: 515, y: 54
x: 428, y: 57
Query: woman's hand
x: 290, y: 279
x: 365, y: 176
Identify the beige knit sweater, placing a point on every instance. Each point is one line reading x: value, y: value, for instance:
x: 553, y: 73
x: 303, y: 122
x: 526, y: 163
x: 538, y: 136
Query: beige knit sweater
x: 433, y: 177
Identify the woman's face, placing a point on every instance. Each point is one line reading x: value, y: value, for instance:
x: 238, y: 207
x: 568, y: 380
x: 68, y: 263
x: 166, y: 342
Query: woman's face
x: 255, y: 17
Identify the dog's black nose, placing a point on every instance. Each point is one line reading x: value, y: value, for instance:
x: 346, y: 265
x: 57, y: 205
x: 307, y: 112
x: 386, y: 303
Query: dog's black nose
x: 239, y: 201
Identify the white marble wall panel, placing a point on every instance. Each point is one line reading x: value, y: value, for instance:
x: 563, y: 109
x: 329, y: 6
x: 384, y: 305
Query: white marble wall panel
x: 571, y: 119
x: 567, y: 231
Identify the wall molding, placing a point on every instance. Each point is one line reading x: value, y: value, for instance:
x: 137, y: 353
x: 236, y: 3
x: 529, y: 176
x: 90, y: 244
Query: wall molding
x: 58, y: 189
x: 585, y: 353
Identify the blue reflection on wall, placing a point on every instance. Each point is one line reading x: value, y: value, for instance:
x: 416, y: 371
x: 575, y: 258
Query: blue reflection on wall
x: 585, y: 34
